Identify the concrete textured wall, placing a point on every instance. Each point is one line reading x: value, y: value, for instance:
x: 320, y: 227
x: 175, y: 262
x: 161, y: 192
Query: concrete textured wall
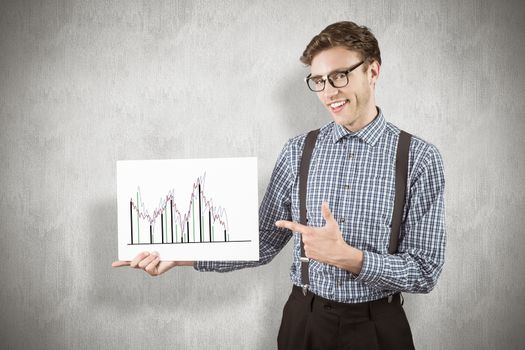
x: 85, y: 83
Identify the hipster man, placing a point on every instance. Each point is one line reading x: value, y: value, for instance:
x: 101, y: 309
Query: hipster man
x: 347, y: 276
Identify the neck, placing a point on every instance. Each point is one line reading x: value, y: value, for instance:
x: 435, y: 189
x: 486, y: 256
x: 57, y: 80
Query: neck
x: 363, y: 119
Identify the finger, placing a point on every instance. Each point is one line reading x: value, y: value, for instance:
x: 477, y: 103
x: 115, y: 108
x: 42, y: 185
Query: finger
x: 146, y: 261
x: 327, y: 214
x: 138, y: 258
x: 152, y: 266
x: 120, y: 263
x: 290, y: 225
x: 165, y: 266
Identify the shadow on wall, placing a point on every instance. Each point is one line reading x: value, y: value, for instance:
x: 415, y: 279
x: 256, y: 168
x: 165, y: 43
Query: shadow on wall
x: 127, y: 290
x: 130, y: 294
x: 126, y: 293
x: 302, y: 110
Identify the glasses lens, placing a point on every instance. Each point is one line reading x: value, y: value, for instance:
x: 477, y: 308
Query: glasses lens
x: 315, y: 84
x: 339, y: 79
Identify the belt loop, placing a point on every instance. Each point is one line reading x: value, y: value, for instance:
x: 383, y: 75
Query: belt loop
x: 402, y: 298
x: 390, y: 299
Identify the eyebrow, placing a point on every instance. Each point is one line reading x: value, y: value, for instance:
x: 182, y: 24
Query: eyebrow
x: 334, y: 71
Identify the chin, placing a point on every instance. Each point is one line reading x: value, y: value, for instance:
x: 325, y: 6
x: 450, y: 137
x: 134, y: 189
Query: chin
x: 342, y: 119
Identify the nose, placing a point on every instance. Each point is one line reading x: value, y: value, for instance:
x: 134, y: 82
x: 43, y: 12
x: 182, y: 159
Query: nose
x: 329, y: 91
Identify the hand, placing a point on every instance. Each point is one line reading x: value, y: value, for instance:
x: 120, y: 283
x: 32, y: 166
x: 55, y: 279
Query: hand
x: 151, y: 263
x: 326, y: 244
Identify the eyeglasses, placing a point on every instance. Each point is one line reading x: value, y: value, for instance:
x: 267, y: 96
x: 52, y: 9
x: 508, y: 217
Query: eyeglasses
x: 337, y: 79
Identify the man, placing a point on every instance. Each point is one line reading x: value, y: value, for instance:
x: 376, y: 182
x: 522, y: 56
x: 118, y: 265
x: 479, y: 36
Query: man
x: 352, y: 299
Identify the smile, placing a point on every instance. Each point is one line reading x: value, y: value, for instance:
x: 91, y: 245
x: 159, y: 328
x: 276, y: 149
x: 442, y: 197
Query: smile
x: 337, y: 106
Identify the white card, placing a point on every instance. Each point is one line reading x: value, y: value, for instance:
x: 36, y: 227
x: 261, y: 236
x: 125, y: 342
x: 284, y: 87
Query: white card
x: 188, y: 209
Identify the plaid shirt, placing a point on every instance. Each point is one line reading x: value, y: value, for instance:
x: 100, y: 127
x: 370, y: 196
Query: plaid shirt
x: 355, y: 173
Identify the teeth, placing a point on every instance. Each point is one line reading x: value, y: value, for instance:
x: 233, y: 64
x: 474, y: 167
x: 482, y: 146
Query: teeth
x: 337, y: 104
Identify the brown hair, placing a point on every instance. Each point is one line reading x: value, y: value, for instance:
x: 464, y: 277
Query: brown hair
x: 345, y: 34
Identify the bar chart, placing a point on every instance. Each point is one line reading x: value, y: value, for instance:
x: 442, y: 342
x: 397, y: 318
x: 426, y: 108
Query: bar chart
x: 200, y: 221
x: 188, y: 209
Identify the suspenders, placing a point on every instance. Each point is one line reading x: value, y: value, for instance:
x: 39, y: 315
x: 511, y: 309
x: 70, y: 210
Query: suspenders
x: 309, y: 144
x: 401, y: 184
x: 399, y: 201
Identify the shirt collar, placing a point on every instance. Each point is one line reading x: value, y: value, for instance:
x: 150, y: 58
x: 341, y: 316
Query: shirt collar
x: 370, y: 133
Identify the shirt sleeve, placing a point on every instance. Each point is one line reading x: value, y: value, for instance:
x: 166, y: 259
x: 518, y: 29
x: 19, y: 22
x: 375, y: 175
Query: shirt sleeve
x: 276, y: 205
x: 417, y: 265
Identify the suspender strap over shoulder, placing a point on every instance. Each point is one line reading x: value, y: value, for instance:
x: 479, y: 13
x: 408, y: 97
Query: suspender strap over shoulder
x: 399, y: 201
x: 309, y: 145
x: 403, y: 146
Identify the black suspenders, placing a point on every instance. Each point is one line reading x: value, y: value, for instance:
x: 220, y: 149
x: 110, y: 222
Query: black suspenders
x: 401, y: 184
x: 309, y: 145
x: 399, y: 201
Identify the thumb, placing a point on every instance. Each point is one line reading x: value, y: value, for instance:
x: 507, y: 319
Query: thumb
x: 120, y: 263
x: 327, y: 214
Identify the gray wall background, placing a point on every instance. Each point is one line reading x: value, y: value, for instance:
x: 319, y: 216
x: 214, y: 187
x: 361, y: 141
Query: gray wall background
x: 84, y: 84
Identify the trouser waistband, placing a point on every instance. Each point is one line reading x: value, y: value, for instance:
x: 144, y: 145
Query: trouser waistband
x: 365, y: 309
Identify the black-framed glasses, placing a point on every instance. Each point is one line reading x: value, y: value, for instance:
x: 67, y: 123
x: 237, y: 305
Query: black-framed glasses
x: 337, y: 79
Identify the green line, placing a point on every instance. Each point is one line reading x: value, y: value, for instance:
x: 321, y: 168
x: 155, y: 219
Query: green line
x: 193, y: 218
x: 138, y: 226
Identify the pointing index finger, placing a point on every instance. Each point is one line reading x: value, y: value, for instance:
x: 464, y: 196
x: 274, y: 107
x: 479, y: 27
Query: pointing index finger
x: 290, y: 225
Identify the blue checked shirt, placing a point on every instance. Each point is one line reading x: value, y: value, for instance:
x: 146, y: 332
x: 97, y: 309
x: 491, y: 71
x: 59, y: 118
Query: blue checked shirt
x: 355, y: 173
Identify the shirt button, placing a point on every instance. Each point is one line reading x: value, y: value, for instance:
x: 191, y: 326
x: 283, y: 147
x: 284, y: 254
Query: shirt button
x: 350, y: 155
x: 346, y: 187
x: 342, y: 221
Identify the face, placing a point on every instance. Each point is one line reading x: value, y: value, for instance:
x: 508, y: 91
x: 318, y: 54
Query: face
x: 352, y: 106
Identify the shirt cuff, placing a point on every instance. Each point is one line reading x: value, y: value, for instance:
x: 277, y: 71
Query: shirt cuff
x: 372, y: 267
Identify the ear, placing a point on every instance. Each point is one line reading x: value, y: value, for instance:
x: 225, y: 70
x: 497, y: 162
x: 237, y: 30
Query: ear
x: 373, y: 72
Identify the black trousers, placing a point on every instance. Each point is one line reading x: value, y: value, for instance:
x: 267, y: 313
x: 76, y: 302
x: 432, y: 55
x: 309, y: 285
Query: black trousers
x: 312, y: 322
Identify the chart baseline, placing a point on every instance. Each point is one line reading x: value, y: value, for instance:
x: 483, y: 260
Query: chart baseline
x: 240, y: 241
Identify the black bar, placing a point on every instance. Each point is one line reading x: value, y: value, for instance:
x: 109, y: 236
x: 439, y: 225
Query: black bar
x: 171, y: 209
x: 188, y: 230
x: 209, y: 216
x: 150, y: 235
x: 200, y: 215
x: 225, y: 236
x: 131, y: 219
x: 162, y: 227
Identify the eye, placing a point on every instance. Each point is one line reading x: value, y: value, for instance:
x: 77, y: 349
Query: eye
x: 338, y: 75
x: 317, y: 80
